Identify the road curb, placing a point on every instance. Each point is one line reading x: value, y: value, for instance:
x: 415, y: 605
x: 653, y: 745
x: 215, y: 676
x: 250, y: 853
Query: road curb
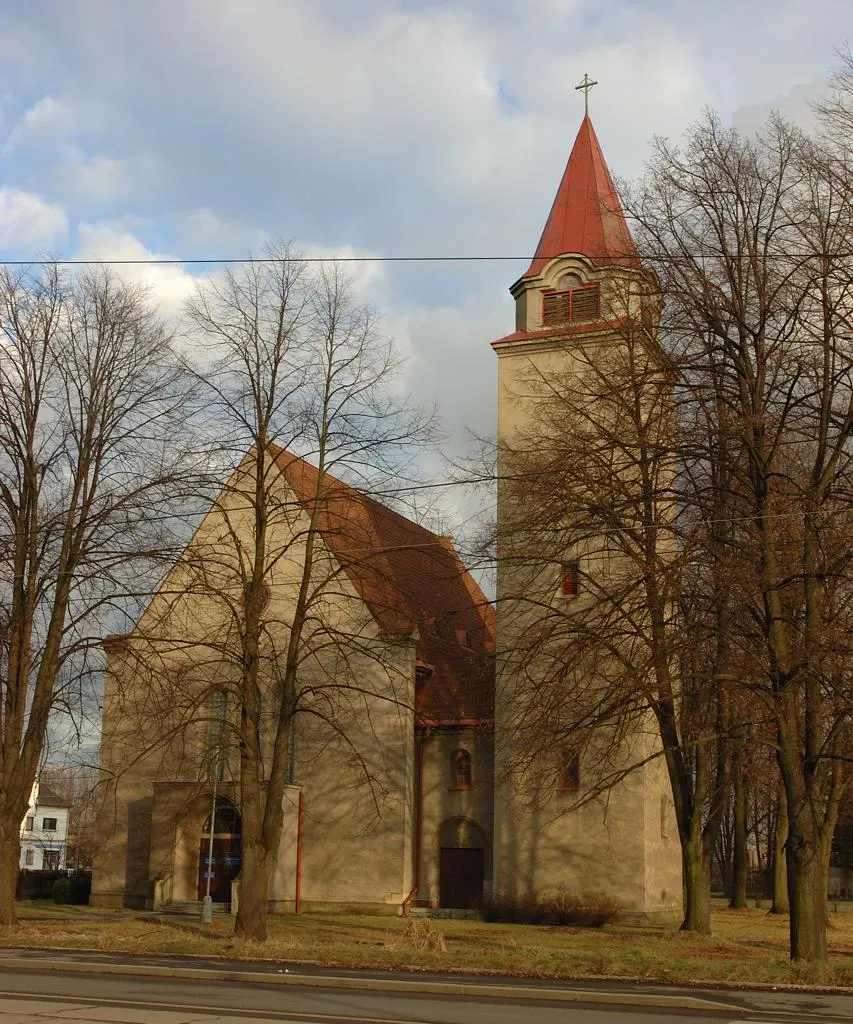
x: 387, y: 985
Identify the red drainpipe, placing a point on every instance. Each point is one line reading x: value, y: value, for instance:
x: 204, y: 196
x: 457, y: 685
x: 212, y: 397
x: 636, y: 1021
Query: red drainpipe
x: 418, y: 809
x: 298, y: 894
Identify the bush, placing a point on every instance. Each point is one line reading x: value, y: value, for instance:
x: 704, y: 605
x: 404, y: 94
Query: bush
x: 559, y: 907
x: 72, y: 889
x: 36, y: 885
x: 60, y: 891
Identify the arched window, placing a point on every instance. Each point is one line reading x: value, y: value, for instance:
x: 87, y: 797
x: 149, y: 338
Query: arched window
x: 217, y: 714
x: 227, y: 820
x: 569, y: 580
x: 569, y: 780
x: 460, y: 767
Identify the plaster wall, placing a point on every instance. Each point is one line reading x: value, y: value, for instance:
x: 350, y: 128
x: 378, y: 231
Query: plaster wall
x: 545, y: 838
x: 442, y: 802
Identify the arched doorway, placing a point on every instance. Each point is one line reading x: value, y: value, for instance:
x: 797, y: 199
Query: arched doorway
x: 462, y: 864
x: 225, y: 864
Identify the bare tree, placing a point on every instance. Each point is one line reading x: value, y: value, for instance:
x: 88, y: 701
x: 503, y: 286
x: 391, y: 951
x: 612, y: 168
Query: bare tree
x: 299, y: 369
x: 91, y: 404
x: 751, y: 239
x: 599, y: 473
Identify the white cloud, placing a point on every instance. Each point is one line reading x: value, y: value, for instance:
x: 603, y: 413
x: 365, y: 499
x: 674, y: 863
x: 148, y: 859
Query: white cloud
x: 170, y: 284
x: 28, y: 223
x: 49, y: 121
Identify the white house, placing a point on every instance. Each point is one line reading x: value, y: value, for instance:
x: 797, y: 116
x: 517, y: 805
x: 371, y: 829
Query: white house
x: 44, y: 831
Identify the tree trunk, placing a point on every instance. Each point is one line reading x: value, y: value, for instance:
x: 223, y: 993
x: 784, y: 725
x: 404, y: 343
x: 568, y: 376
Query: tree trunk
x: 10, y: 855
x: 806, y: 894
x: 696, y: 862
x: 740, y: 859
x: 251, y: 920
x: 780, y: 868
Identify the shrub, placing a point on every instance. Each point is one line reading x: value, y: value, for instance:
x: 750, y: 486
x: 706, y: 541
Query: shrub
x: 72, y: 888
x: 60, y: 891
x: 559, y: 907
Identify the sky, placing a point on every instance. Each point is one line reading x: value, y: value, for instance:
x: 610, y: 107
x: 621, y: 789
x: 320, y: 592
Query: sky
x: 206, y: 128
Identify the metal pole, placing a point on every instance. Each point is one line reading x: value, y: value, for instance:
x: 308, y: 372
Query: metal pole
x: 207, y: 902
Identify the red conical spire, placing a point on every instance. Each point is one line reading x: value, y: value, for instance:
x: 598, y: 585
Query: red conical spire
x: 586, y: 217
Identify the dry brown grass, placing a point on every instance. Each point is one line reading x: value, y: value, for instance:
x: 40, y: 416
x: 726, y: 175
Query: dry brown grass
x: 748, y: 946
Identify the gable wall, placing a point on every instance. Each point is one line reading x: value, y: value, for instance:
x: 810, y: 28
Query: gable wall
x: 157, y: 682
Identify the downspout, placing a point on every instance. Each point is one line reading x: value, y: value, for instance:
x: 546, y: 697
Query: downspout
x: 419, y: 789
x: 298, y: 890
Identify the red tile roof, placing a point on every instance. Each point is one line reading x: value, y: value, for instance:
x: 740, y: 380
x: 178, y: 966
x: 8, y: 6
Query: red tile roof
x: 586, y: 217
x: 410, y: 579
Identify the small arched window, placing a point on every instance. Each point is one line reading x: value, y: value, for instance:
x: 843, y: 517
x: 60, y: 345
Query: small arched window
x: 569, y: 580
x: 569, y: 780
x: 460, y: 770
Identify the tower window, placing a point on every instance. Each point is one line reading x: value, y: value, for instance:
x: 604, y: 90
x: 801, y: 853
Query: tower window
x: 569, y: 579
x: 571, y: 305
x: 460, y: 770
x: 569, y: 780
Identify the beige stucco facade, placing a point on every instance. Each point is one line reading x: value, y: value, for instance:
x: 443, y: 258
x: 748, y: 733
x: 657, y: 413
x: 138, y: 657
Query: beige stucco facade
x: 451, y: 815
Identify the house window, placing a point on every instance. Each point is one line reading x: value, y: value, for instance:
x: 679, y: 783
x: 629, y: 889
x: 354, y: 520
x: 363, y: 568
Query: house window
x: 30, y: 857
x: 50, y: 860
x: 569, y: 578
x: 48, y: 824
x: 569, y: 780
x: 30, y: 823
x: 461, y: 770
x: 570, y: 305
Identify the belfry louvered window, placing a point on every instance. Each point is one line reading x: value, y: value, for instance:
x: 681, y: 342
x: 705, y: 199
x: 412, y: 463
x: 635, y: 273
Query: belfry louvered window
x: 572, y: 305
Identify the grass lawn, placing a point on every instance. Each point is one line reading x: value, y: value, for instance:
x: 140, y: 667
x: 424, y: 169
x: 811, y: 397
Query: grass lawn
x: 747, y: 945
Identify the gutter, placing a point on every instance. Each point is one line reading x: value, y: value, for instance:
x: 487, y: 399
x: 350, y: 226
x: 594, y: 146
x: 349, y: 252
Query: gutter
x: 297, y: 896
x: 419, y: 792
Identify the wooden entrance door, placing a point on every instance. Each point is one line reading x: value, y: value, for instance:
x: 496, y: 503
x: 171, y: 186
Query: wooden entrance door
x: 224, y: 869
x: 461, y: 875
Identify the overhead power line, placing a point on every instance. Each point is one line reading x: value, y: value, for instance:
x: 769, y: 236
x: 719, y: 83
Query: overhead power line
x: 247, y: 260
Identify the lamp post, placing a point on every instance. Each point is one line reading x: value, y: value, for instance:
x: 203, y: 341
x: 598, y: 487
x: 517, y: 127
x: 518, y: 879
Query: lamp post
x: 207, y: 902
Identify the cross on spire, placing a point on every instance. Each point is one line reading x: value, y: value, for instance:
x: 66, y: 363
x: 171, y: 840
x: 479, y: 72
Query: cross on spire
x: 585, y: 85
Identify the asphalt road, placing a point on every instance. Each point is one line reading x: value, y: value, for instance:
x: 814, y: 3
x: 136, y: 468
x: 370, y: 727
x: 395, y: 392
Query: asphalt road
x: 176, y: 1002
x: 38, y: 996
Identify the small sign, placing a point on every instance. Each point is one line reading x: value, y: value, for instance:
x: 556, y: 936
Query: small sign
x: 210, y: 874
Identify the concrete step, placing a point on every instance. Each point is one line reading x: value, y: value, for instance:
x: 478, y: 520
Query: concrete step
x: 445, y: 912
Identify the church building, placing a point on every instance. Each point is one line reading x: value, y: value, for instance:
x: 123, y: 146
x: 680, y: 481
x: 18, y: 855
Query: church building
x: 440, y: 795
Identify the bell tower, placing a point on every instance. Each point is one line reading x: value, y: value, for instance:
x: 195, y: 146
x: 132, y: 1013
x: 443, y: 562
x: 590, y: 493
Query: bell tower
x: 558, y: 823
